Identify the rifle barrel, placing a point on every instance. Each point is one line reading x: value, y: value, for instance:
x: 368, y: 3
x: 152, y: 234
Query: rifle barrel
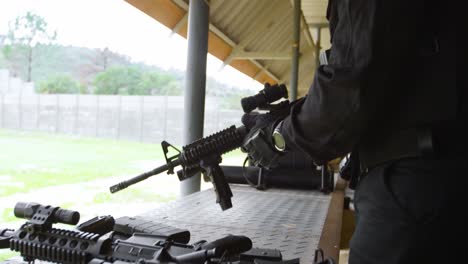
x: 143, y: 176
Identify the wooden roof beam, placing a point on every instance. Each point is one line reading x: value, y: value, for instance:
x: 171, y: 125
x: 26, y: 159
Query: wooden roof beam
x: 262, y: 21
x: 229, y: 41
x: 180, y: 24
x: 318, y: 25
x: 264, y: 69
x: 261, y: 56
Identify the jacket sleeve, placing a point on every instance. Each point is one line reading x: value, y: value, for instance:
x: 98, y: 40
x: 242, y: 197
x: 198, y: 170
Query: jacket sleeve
x: 328, y: 123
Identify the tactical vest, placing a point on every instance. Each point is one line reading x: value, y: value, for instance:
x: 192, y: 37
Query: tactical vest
x: 421, y: 109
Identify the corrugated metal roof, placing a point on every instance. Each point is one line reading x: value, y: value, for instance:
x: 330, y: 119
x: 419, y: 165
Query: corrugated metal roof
x: 253, y: 36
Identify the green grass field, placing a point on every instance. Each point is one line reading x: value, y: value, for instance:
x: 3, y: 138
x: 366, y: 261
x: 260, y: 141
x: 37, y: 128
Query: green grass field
x: 30, y: 160
x: 35, y: 160
x: 76, y: 172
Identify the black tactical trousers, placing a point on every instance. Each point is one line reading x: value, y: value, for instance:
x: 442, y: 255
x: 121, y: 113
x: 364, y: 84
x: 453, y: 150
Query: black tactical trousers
x: 409, y: 211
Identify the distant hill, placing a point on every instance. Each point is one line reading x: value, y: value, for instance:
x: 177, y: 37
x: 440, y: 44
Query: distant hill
x: 83, y: 64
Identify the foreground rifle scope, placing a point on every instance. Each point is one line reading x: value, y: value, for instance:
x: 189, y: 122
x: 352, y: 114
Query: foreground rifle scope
x: 43, y: 214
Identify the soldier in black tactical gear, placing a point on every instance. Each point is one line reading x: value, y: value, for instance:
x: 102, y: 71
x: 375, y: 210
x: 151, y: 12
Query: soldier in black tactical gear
x: 389, y: 94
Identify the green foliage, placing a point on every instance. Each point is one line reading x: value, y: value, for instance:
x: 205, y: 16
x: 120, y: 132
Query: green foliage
x: 159, y: 83
x: 133, y: 81
x: 102, y: 197
x: 60, y: 84
x: 24, y: 33
x: 29, y: 30
x: 118, y: 80
x: 92, y: 62
x: 7, y: 254
x: 8, y: 216
x: 104, y: 71
x: 15, y: 59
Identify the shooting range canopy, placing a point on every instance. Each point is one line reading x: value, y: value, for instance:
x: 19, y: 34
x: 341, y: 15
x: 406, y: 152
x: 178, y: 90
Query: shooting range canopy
x: 255, y: 37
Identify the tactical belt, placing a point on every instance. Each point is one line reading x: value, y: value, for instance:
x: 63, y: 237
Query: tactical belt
x: 444, y: 140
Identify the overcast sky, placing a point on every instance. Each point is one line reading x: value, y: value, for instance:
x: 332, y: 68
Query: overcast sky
x: 120, y: 27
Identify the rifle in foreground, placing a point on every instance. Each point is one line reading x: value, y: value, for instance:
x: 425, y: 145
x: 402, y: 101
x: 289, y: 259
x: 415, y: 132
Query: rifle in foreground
x: 99, y: 241
x: 204, y: 155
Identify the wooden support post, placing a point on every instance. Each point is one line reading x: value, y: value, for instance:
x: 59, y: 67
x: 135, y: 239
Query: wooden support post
x: 331, y: 232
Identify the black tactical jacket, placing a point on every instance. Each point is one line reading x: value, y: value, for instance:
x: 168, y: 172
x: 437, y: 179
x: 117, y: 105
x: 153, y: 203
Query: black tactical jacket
x: 391, y: 67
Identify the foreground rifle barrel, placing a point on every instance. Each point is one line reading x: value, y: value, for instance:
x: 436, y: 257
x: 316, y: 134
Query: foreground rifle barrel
x: 143, y: 176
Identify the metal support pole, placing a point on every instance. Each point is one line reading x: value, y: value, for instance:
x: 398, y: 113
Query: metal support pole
x: 195, y: 80
x: 317, y: 47
x: 295, y: 50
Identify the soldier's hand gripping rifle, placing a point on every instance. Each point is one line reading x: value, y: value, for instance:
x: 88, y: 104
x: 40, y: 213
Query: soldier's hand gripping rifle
x: 204, y: 155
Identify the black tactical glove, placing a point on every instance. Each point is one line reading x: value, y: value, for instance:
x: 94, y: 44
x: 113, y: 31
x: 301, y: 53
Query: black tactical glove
x: 258, y: 144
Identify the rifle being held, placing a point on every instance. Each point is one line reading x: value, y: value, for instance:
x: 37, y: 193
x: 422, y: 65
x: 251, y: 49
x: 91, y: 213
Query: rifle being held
x: 204, y: 155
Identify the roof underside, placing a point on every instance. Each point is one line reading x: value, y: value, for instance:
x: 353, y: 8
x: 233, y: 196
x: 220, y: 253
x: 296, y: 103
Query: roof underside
x: 254, y: 37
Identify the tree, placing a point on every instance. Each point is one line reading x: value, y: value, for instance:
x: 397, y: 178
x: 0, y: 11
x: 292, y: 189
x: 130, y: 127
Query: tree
x: 159, y: 83
x: 25, y: 32
x: 118, y: 80
x: 60, y: 84
x: 134, y: 81
x: 99, y: 60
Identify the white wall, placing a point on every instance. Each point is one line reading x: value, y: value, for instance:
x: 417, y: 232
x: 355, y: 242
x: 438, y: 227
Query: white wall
x: 14, y: 85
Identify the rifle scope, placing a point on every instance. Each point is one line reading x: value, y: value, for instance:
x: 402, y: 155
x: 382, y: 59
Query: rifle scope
x: 269, y: 94
x: 42, y: 213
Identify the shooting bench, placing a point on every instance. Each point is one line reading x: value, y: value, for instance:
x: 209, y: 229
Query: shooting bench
x: 297, y: 222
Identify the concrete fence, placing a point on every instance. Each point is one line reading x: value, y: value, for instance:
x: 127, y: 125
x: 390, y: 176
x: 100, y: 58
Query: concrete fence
x: 14, y: 85
x: 137, y: 118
